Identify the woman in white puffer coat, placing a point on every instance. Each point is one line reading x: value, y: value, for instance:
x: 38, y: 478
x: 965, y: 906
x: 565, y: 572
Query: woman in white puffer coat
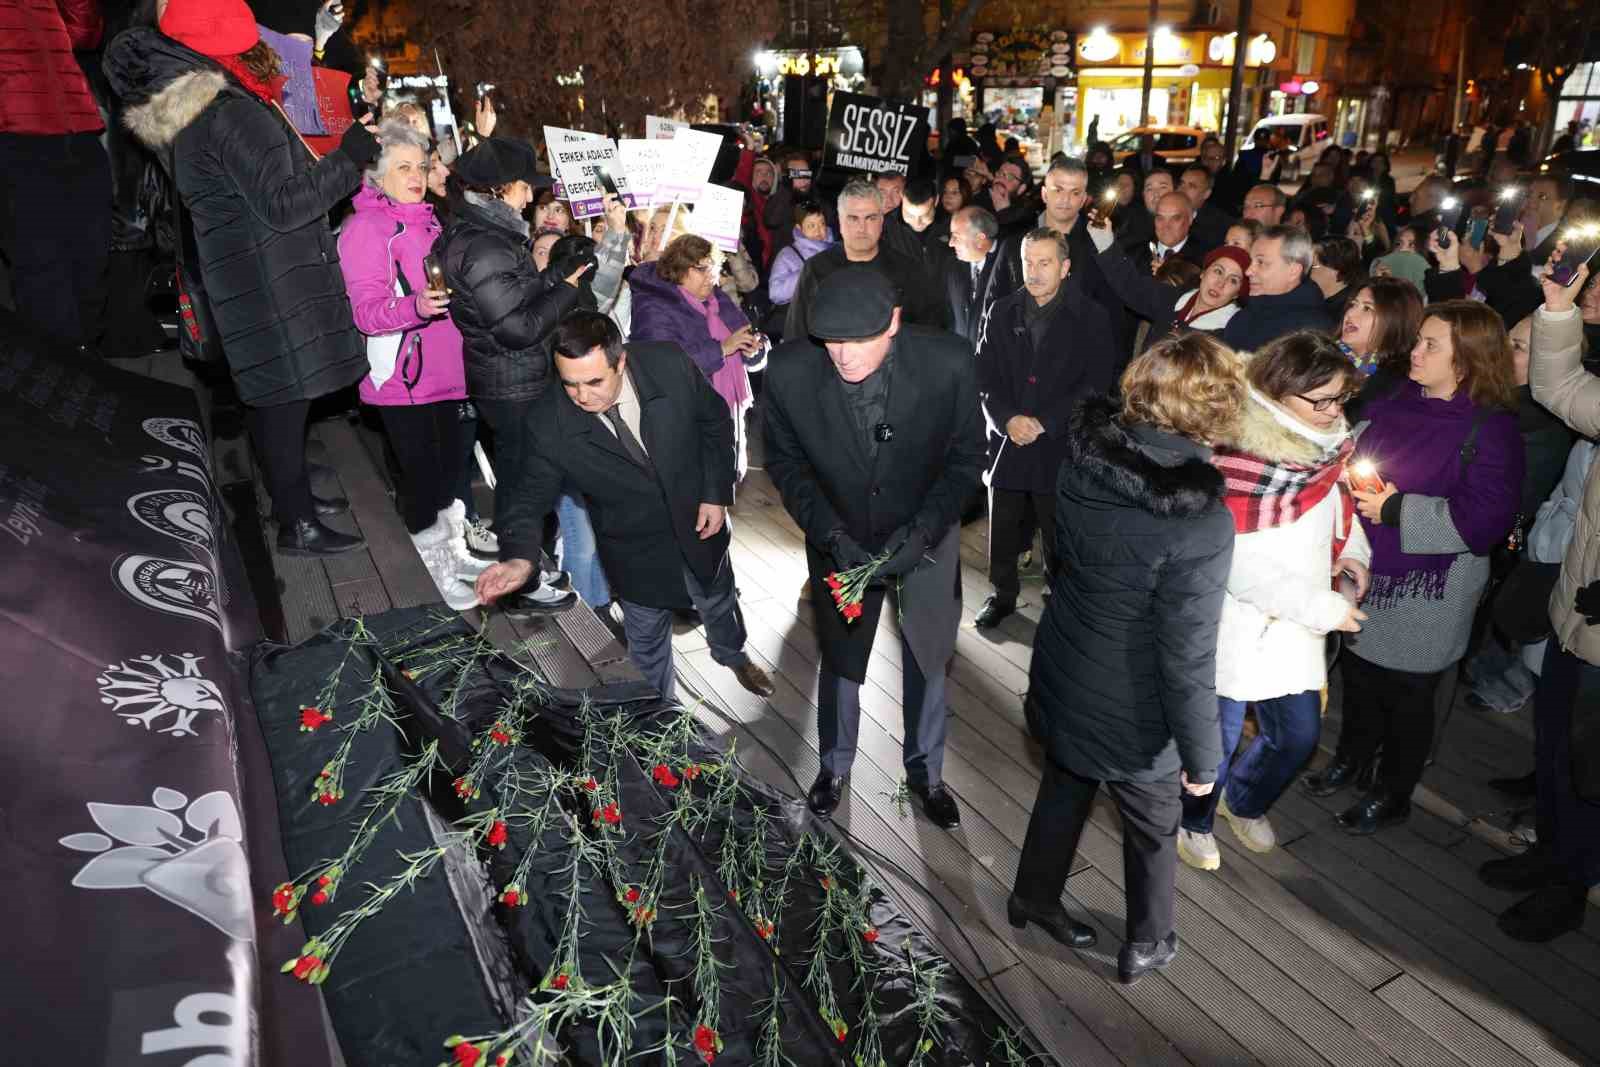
x: 1295, y: 531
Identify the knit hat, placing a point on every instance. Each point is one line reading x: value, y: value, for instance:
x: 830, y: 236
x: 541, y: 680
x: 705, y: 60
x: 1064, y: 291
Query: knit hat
x: 500, y: 161
x: 211, y: 27
x: 1241, y: 258
x: 1410, y: 266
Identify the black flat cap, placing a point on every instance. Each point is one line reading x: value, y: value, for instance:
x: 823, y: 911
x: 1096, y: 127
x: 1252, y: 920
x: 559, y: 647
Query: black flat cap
x: 500, y: 160
x: 852, y: 304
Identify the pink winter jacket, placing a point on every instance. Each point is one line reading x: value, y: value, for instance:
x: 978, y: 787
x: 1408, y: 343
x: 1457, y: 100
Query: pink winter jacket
x: 377, y: 237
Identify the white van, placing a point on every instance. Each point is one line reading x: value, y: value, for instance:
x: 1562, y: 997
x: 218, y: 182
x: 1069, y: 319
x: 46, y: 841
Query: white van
x: 1307, y: 136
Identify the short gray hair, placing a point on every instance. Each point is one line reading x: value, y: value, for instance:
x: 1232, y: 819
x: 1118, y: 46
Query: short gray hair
x: 1046, y: 234
x: 1297, y: 245
x: 982, y: 220
x: 393, y: 134
x: 861, y: 189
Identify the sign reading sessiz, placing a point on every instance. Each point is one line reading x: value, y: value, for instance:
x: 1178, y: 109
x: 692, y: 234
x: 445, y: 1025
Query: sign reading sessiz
x: 865, y: 133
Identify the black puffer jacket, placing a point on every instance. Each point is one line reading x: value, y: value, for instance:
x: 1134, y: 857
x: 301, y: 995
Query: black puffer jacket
x: 1123, y: 684
x: 260, y: 204
x: 505, y: 309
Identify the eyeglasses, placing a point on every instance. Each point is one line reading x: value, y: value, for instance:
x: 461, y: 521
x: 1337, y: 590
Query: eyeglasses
x: 1323, y: 404
x: 706, y: 268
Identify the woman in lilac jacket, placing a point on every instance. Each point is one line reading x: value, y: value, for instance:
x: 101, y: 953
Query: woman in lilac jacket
x: 811, y: 235
x: 677, y: 299
x: 416, y: 378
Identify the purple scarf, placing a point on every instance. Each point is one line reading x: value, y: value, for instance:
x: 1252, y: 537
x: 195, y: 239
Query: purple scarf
x: 1416, y: 444
x: 730, y: 380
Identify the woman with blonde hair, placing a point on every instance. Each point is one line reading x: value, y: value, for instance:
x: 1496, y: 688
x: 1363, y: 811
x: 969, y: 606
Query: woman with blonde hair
x: 1437, y: 482
x: 1145, y: 543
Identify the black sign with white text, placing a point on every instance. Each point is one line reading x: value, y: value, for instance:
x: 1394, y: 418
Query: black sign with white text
x: 873, y: 135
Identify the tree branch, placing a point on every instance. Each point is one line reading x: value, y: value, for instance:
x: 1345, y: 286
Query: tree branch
x: 956, y: 30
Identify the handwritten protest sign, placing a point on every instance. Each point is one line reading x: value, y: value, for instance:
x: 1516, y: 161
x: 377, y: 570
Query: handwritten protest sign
x: 657, y: 128
x: 642, y: 161
x: 688, y: 165
x: 578, y: 160
x: 718, y: 212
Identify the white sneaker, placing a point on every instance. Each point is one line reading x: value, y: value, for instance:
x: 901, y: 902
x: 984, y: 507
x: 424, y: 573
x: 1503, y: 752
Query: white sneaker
x: 1199, y: 850
x: 433, y: 546
x: 481, y: 540
x: 465, y: 564
x: 1255, y: 834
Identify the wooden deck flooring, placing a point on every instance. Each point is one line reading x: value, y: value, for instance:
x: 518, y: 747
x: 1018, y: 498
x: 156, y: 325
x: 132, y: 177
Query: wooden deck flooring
x: 1328, y: 950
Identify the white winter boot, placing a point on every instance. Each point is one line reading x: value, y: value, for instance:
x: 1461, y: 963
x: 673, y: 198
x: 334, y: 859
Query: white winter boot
x: 433, y: 547
x: 454, y: 520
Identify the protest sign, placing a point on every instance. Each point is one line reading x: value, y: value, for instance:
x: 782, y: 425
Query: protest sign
x: 688, y: 165
x: 718, y: 211
x: 642, y: 161
x: 577, y: 158
x: 873, y: 135
x: 657, y: 128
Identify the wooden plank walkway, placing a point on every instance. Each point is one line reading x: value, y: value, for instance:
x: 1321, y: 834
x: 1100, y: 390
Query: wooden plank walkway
x: 1328, y: 950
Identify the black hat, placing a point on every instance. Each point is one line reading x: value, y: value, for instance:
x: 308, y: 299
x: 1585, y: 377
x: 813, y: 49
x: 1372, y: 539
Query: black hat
x: 499, y: 161
x: 852, y: 304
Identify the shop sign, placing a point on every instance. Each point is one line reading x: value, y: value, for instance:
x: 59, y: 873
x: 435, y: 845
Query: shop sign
x: 1020, y: 52
x: 1260, y: 54
x: 872, y: 135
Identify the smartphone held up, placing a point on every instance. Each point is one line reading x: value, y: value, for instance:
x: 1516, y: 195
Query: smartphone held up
x: 1581, y: 243
x: 1508, y: 208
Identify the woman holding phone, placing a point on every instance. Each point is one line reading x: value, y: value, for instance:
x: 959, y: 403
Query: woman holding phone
x: 1446, y: 461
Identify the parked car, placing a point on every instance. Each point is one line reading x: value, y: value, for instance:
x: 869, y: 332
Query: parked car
x: 1306, y: 137
x: 1175, y: 144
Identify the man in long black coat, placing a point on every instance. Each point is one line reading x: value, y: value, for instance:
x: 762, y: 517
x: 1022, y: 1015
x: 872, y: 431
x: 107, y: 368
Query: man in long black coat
x: 1044, y: 348
x: 647, y: 441
x: 874, y: 441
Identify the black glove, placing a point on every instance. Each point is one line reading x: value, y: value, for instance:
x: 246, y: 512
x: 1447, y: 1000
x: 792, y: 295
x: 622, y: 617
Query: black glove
x: 845, y: 552
x: 359, y: 144
x: 907, y: 546
x: 1588, y: 603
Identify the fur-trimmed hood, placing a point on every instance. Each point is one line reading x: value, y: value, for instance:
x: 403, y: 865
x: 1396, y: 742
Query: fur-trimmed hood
x: 165, y: 85
x: 1268, y: 432
x: 1162, y: 473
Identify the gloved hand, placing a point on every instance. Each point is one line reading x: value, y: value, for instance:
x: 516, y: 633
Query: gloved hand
x: 360, y: 145
x: 1588, y: 603
x: 845, y: 552
x: 330, y: 16
x: 907, y: 545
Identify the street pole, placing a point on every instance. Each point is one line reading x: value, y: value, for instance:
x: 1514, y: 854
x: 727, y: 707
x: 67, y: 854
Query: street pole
x: 1461, y: 73
x: 1149, y: 62
x: 1241, y: 46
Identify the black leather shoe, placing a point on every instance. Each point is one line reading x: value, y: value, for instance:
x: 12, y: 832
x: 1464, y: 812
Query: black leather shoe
x: 1547, y: 914
x: 754, y: 679
x: 994, y: 610
x: 1532, y: 870
x: 1522, y: 788
x: 1337, y: 775
x: 1054, y: 921
x: 1139, y: 957
x: 939, y: 805
x: 308, y: 537
x: 1377, y: 808
x: 543, y: 601
x: 825, y: 794
x: 330, y: 505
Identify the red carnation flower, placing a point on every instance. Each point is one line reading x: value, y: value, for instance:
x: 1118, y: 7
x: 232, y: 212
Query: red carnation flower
x: 851, y: 611
x: 463, y: 786
x: 834, y: 583
x: 591, y: 785
x: 319, y: 897
x: 764, y: 928
x: 632, y: 895
x: 705, y: 1042
x: 467, y: 1055
x: 664, y: 776
x: 311, y: 718
x: 611, y: 813
x: 324, y: 879
x: 734, y: 894
x: 497, y: 834
x: 511, y: 897
x: 692, y: 771
x: 283, y: 899
x: 306, y: 966
x: 499, y: 735
x: 869, y: 935
x: 840, y: 1030
x: 826, y: 884
x: 559, y: 981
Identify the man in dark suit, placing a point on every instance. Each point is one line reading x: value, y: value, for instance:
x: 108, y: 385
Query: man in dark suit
x: 861, y: 217
x: 1210, y: 228
x: 874, y: 440
x: 915, y: 230
x: 647, y: 441
x: 1174, y: 218
x: 1044, y: 348
x: 1283, y: 298
x: 975, y: 277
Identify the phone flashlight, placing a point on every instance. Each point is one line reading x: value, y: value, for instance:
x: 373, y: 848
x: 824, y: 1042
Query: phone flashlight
x: 1364, y: 476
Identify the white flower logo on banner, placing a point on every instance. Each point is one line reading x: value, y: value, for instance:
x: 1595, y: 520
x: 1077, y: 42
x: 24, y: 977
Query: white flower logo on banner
x: 161, y: 688
x: 206, y: 876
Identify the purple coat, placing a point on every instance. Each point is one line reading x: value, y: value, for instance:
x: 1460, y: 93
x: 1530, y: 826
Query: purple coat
x: 379, y: 237
x: 660, y: 313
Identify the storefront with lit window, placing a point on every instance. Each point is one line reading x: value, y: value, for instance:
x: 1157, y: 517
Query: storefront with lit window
x: 796, y: 86
x: 1021, y: 81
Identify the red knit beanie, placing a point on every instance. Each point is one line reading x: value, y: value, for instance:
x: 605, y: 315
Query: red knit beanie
x: 211, y: 27
x: 1241, y: 259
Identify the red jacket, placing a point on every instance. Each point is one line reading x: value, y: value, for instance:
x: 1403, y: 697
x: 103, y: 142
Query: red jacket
x: 42, y: 88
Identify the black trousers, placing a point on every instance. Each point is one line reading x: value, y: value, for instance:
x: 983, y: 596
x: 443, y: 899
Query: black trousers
x: 426, y: 439
x: 1012, y: 517
x: 279, y: 436
x: 506, y: 422
x: 1150, y: 812
x: 1392, y: 710
x: 55, y: 222
x: 1567, y: 821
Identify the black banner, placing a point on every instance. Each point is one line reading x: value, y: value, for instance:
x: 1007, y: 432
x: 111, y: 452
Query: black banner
x: 873, y: 135
x: 130, y: 839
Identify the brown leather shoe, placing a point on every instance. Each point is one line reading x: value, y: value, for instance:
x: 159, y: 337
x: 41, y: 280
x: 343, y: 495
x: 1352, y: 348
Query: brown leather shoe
x: 754, y: 679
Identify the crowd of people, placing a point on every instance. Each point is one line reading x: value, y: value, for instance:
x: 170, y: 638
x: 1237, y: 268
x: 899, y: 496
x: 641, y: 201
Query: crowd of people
x: 1244, y: 423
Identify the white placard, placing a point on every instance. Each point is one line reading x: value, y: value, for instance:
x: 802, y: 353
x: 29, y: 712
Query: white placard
x: 718, y: 213
x: 642, y: 161
x: 689, y: 164
x: 657, y: 128
x: 575, y: 157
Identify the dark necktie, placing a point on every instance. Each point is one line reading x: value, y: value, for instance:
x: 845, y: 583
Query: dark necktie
x: 630, y: 443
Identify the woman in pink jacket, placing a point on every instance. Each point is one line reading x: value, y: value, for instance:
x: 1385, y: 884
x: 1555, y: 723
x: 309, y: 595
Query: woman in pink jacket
x: 416, y: 377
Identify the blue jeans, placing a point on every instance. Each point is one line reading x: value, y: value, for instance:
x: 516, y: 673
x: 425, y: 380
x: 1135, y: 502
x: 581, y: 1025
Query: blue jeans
x: 1568, y: 822
x: 1255, y: 779
x: 578, y: 556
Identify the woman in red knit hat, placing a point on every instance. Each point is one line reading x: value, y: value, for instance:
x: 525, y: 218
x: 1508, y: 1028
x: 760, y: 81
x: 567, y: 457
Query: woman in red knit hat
x: 203, y: 94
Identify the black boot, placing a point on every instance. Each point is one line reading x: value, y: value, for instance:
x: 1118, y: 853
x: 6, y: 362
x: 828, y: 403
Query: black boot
x: 1137, y: 957
x: 1547, y: 914
x: 825, y: 794
x: 308, y: 537
x: 1377, y: 808
x: 1531, y: 870
x: 1339, y: 774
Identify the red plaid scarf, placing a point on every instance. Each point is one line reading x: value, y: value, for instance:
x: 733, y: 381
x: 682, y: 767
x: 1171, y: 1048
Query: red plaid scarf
x: 1262, y: 494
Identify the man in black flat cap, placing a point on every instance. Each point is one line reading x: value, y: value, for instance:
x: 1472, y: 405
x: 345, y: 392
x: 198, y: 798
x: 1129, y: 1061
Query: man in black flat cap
x: 874, y: 440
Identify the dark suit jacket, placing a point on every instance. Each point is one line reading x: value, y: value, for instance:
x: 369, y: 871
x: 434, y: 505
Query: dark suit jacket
x: 967, y: 308
x: 1139, y: 252
x: 638, y: 514
x: 821, y: 465
x: 920, y: 303
x: 929, y: 250
x: 1210, y: 228
x: 1079, y: 357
